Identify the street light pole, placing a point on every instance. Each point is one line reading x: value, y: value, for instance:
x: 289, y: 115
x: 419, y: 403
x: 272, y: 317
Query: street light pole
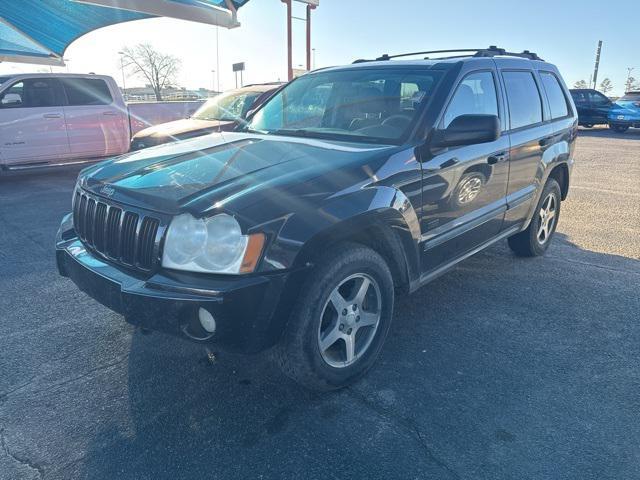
x: 213, y: 80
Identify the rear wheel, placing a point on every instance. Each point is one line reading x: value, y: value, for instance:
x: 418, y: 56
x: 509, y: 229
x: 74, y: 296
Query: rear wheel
x: 618, y: 128
x: 536, y: 238
x: 588, y: 125
x: 340, y: 321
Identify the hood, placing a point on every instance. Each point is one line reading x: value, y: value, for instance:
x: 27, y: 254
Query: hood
x: 180, y: 127
x: 210, y: 171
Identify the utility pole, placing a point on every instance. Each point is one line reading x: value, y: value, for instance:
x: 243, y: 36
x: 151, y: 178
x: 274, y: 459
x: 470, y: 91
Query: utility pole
x: 124, y: 86
x: 597, y: 65
x: 213, y: 80
x: 217, y: 59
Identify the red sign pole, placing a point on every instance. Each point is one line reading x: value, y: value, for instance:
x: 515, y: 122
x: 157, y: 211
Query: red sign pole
x: 309, y: 8
x: 289, y: 41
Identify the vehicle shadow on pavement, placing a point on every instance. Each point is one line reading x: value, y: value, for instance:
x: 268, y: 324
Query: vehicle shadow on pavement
x: 503, y: 365
x: 631, y: 134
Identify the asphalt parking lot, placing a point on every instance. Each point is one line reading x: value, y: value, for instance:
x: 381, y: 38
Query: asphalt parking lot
x: 502, y: 369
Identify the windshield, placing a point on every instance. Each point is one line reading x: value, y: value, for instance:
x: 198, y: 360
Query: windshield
x: 227, y: 106
x: 631, y: 97
x: 3, y: 79
x: 361, y: 104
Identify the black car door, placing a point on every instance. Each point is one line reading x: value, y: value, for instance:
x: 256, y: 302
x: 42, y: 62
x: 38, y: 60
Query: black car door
x: 581, y: 99
x: 464, y: 187
x: 531, y: 135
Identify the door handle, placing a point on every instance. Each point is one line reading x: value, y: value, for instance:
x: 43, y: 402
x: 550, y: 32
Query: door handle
x: 111, y: 114
x: 51, y: 115
x: 497, y: 158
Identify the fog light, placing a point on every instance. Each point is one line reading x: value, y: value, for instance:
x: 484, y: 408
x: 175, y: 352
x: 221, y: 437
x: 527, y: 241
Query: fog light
x: 206, y: 320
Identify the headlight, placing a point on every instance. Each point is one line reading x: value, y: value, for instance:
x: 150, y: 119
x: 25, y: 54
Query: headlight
x: 213, y: 245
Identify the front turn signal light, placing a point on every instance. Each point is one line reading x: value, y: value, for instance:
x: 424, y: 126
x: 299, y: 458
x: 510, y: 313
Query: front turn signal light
x: 252, y: 253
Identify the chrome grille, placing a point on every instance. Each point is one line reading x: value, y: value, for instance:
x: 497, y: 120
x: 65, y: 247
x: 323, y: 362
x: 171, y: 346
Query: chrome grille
x: 115, y: 232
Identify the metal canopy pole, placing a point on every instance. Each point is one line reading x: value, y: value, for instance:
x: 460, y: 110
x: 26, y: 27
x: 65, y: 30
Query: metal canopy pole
x: 309, y: 8
x: 289, y: 41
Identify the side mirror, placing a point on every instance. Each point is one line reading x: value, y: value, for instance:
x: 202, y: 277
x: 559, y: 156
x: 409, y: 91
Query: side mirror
x: 467, y: 130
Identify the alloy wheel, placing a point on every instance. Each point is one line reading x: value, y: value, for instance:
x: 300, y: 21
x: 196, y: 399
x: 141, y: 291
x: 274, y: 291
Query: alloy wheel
x: 546, y: 218
x: 349, y: 320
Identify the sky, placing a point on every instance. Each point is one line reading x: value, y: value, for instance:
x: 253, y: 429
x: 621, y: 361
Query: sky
x: 563, y: 32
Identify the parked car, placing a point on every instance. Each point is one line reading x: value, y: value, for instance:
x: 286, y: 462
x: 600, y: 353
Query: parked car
x: 348, y: 185
x: 220, y: 114
x: 625, y: 112
x: 51, y: 119
x: 593, y: 107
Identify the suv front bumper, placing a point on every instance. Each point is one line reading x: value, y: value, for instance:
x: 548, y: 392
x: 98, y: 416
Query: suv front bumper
x: 244, y: 307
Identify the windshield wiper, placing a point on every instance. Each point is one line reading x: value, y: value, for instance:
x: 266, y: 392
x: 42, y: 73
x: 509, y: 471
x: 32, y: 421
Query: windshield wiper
x: 293, y: 132
x: 345, y: 137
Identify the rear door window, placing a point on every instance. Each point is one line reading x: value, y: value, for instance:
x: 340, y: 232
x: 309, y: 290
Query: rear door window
x: 475, y: 95
x: 555, y: 95
x: 87, y: 91
x: 525, y: 104
x: 32, y: 93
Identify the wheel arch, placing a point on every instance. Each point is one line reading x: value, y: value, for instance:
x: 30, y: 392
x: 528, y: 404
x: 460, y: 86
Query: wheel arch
x: 380, y: 217
x: 560, y: 173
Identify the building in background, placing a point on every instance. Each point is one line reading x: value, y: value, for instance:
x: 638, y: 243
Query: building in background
x: 146, y: 94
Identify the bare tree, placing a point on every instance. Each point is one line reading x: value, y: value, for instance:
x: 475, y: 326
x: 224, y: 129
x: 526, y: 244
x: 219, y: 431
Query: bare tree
x: 606, y: 86
x: 159, y: 69
x: 631, y: 84
x: 580, y: 84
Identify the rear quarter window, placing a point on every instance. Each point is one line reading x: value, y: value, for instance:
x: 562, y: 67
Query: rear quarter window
x: 87, y: 91
x: 525, y: 104
x: 555, y: 95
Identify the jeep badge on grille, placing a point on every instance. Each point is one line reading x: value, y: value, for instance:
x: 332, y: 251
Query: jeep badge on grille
x: 107, y: 190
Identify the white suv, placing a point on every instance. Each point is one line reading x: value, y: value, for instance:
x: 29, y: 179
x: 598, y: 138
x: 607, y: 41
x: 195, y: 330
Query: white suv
x: 60, y: 118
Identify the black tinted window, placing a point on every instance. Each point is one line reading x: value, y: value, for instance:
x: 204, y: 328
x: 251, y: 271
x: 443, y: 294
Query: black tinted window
x: 555, y: 94
x: 476, y: 95
x: 579, y: 97
x: 596, y: 98
x: 525, y: 105
x: 87, y: 91
x: 32, y: 93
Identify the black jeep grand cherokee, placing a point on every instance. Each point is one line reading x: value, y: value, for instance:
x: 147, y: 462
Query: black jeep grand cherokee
x: 348, y: 185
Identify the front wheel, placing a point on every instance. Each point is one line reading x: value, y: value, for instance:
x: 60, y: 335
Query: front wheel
x: 535, y: 240
x: 340, y: 321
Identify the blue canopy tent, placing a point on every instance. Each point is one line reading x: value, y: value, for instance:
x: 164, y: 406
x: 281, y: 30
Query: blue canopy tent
x: 39, y: 31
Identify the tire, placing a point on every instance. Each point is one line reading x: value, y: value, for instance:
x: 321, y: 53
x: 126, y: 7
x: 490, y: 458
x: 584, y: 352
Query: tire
x: 315, y: 320
x: 532, y: 242
x: 619, y: 128
x: 588, y: 125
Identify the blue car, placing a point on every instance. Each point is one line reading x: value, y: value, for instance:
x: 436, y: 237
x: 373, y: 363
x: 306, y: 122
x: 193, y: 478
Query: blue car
x: 625, y: 112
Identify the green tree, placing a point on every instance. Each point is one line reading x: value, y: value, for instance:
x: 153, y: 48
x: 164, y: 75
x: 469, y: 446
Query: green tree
x: 580, y: 84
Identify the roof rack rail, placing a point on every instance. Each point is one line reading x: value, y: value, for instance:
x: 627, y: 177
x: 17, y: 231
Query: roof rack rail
x: 492, y: 51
